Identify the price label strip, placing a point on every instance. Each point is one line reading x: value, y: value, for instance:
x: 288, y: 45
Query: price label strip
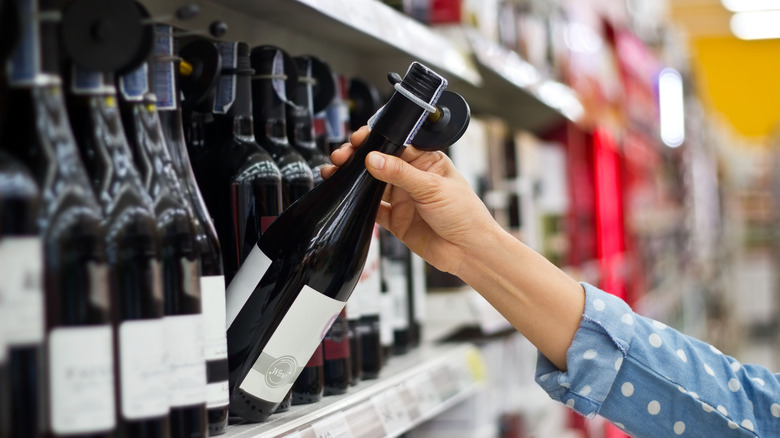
x: 392, y: 412
x: 425, y: 393
x: 335, y: 426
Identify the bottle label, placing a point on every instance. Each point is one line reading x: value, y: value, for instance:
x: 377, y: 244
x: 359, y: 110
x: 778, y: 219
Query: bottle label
x: 245, y: 281
x: 316, y: 358
x: 164, y: 77
x: 226, y: 88
x: 187, y: 368
x: 368, y: 290
x: 21, y: 271
x: 217, y: 394
x: 291, y: 345
x: 386, y: 314
x: 134, y: 86
x: 81, y: 379
x: 420, y: 288
x: 265, y: 222
x: 89, y: 82
x: 142, y: 369
x: 212, y: 295
x: 191, y: 277
x: 395, y: 278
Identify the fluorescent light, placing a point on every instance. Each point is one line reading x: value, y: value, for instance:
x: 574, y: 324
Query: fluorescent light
x: 756, y: 25
x: 750, y: 5
x: 671, y: 106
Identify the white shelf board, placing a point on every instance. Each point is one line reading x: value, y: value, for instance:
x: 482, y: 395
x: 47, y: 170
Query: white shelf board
x: 411, y: 389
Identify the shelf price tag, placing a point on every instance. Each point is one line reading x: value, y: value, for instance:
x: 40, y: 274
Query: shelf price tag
x: 391, y: 410
x: 425, y: 393
x: 335, y: 426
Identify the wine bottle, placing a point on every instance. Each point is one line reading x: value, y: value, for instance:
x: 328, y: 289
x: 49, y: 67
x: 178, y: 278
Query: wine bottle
x: 5, y: 392
x: 70, y: 250
x: 133, y: 253
x: 395, y: 257
x: 337, y: 363
x: 368, y: 296
x: 417, y: 298
x: 335, y: 118
x: 275, y: 70
x: 269, y: 100
x: 304, y: 268
x: 246, y: 180
x: 300, y: 117
x: 207, y: 247
x: 179, y: 259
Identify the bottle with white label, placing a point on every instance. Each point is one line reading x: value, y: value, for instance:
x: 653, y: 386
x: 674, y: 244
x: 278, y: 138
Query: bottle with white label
x: 295, y: 283
x: 367, y: 296
x: 180, y: 266
x: 395, y: 257
x: 212, y: 279
x: 133, y: 252
x: 68, y: 262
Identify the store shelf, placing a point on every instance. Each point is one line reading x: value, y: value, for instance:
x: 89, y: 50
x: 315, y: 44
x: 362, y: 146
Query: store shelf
x: 412, y: 388
x: 371, y: 39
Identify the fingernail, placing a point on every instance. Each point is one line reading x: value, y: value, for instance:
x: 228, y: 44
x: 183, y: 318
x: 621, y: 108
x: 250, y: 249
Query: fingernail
x: 376, y: 160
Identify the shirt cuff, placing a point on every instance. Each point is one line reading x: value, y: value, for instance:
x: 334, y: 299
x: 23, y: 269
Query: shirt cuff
x: 595, y: 355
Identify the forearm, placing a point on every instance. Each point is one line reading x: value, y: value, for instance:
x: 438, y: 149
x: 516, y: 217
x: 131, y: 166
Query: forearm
x: 537, y: 298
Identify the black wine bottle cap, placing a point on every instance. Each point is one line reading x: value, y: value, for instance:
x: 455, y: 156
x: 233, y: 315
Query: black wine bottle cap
x: 271, y: 63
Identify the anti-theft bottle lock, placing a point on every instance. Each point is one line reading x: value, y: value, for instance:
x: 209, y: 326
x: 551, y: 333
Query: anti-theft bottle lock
x: 446, y: 121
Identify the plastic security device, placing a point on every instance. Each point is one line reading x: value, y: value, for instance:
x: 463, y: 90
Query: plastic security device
x: 446, y: 122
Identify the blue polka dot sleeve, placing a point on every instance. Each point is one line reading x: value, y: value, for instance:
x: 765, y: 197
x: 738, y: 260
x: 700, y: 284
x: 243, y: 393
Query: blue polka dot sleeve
x: 653, y: 381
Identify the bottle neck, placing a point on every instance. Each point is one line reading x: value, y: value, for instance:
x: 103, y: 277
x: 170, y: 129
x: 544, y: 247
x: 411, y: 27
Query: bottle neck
x: 269, y: 113
x: 33, y: 62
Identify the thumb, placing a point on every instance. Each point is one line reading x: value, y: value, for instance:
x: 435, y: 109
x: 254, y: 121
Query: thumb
x: 394, y: 170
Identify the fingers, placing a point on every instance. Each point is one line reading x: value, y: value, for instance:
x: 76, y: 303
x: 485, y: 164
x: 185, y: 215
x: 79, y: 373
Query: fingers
x: 396, y: 171
x: 358, y: 136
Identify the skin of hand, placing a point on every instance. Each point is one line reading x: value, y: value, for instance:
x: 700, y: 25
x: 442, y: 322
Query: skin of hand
x: 430, y: 207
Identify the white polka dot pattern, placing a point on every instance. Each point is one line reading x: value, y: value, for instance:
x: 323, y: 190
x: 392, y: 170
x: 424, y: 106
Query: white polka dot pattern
x: 653, y: 408
x: 679, y: 428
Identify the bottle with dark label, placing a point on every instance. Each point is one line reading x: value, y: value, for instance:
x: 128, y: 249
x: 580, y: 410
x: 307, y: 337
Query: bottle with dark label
x: 296, y: 281
x: 207, y: 247
x: 245, y: 178
x: 300, y: 116
x: 132, y: 251
x: 395, y: 257
x: 70, y: 250
x: 337, y: 364
x: 269, y: 102
x: 179, y: 259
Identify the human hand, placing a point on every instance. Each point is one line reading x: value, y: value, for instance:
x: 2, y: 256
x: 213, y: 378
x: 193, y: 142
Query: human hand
x: 427, y: 203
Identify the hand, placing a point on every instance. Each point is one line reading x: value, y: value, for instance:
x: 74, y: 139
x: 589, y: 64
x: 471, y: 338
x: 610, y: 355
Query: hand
x: 427, y: 203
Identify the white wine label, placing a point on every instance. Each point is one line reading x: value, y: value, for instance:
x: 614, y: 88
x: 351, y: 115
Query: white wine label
x: 81, y: 379
x: 217, y: 394
x: 133, y: 86
x: 142, y: 369
x: 226, y: 88
x: 212, y: 298
x: 420, y: 293
x: 190, y: 270
x: 335, y: 426
x: 21, y: 286
x: 186, y: 366
x: 368, y: 290
x: 164, y: 77
x: 391, y: 411
x: 3, y: 341
x: 395, y: 278
x: 243, y: 284
x: 291, y: 345
x: 386, y: 313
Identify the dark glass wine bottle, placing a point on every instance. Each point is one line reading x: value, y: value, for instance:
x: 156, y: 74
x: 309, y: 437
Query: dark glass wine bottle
x: 300, y: 117
x: 368, y: 296
x: 306, y: 265
x: 246, y: 180
x: 309, y: 387
x: 207, y: 247
x: 417, y: 298
x: 335, y: 118
x: 132, y: 251
x: 79, y: 348
x: 337, y: 364
x: 179, y: 259
x: 269, y: 100
x: 395, y: 257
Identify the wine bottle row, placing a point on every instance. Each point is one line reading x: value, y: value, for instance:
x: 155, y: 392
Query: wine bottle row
x: 170, y: 255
